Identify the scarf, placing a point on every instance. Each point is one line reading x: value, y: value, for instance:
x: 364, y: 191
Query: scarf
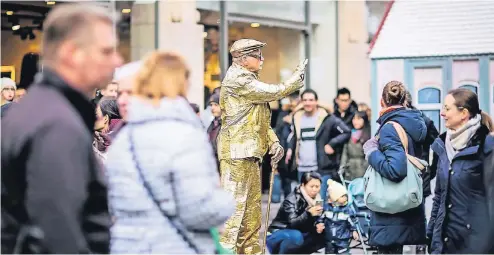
x: 458, y: 139
x: 389, y: 109
x: 311, y: 201
x: 356, y: 135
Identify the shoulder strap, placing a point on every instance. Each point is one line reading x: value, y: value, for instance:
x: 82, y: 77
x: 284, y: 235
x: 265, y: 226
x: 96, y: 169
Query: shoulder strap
x: 171, y: 219
x: 404, y: 141
x: 402, y: 134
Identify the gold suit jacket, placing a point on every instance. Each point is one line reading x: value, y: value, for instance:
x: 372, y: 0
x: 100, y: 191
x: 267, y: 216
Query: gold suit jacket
x: 246, y: 116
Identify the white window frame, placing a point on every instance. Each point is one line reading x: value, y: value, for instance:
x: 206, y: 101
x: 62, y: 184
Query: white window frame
x: 469, y: 83
x: 430, y: 107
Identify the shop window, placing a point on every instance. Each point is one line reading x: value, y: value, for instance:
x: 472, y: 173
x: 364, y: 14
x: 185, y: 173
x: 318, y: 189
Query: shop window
x: 470, y: 87
x: 429, y: 96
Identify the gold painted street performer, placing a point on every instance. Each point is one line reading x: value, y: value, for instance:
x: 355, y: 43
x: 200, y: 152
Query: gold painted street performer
x: 244, y: 139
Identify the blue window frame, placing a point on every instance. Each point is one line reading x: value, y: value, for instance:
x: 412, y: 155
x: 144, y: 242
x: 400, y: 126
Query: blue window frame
x: 470, y: 87
x: 429, y: 96
x: 435, y: 116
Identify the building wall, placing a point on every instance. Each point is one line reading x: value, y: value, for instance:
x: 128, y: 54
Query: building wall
x: 491, y: 82
x: 353, y: 61
x: 383, y: 71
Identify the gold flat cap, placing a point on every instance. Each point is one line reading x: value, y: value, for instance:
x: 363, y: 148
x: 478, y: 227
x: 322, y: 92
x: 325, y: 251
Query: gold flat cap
x: 245, y: 46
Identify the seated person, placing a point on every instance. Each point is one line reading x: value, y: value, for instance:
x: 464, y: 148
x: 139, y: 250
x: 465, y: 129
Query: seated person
x: 339, y: 220
x: 294, y: 230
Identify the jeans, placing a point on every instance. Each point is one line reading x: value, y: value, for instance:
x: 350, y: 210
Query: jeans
x: 292, y: 241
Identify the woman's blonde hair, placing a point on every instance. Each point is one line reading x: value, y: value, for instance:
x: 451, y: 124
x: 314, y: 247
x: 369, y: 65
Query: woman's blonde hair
x: 163, y: 74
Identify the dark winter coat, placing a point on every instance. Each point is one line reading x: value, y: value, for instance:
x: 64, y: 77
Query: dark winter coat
x: 283, y: 130
x: 428, y: 175
x: 340, y: 221
x: 293, y: 214
x: 459, y: 219
x: 349, y: 113
x: 390, y: 162
x: 329, y: 130
x: 50, y: 175
x: 489, y: 191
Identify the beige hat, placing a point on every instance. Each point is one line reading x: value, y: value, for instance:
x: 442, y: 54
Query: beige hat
x: 335, y: 190
x: 245, y: 46
x: 8, y: 83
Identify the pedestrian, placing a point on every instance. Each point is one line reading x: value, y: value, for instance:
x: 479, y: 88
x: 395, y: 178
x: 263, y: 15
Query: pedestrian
x: 317, y: 141
x: 353, y: 157
x: 244, y: 139
x: 340, y: 220
x: 164, y: 188
x: 107, y: 119
x: 344, y: 106
x: 215, y: 126
x: 460, y: 215
x: 295, y: 230
x: 51, y: 182
x: 8, y: 90
x: 389, y: 232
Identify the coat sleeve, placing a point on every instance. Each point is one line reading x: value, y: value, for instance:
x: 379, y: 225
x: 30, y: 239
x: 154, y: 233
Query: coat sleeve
x: 255, y: 91
x: 58, y: 176
x: 201, y: 202
x: 344, y: 156
x: 390, y: 161
x: 436, y: 201
x: 342, y: 131
x: 272, y: 137
x: 295, y: 221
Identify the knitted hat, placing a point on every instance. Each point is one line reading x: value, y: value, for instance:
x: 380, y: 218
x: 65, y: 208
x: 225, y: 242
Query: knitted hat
x: 335, y: 190
x: 8, y: 83
x: 215, y: 98
x: 127, y: 70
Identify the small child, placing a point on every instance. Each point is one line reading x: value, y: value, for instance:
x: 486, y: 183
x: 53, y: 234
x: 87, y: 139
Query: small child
x: 339, y: 220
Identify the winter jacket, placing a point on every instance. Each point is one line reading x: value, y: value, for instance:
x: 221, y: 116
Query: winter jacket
x: 329, y: 130
x: 341, y: 221
x: 489, y: 191
x: 459, y: 219
x: 349, y: 113
x: 168, y: 145
x: 213, y: 131
x: 428, y: 175
x: 50, y: 175
x: 293, y: 214
x: 390, y: 162
x: 353, y: 157
x: 283, y: 131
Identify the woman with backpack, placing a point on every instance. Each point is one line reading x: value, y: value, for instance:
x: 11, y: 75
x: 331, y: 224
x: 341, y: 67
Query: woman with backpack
x: 460, y: 215
x: 386, y: 154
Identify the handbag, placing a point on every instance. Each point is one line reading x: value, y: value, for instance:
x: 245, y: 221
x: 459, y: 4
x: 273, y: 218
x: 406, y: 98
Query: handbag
x: 172, y: 219
x: 385, y: 196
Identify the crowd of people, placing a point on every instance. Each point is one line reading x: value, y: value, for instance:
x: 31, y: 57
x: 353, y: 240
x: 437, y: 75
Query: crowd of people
x: 103, y: 158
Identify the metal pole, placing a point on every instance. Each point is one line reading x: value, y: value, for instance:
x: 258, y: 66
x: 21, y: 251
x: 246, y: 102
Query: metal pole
x: 307, y: 42
x: 156, y: 25
x: 223, y: 38
x: 337, y: 22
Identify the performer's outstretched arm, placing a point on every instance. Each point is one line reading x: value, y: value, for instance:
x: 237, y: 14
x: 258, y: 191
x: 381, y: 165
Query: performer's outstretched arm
x: 259, y: 92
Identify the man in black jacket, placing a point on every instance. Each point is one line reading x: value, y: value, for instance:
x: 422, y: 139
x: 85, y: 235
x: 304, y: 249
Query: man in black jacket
x: 344, y: 106
x: 317, y: 141
x: 51, y: 180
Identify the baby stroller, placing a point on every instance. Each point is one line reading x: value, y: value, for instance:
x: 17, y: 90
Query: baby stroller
x: 355, y: 190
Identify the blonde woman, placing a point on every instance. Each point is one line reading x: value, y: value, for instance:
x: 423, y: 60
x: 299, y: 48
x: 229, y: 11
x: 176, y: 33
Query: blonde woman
x: 163, y: 185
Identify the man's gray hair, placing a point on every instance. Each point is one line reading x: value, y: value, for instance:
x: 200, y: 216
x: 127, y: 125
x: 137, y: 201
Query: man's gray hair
x: 69, y: 20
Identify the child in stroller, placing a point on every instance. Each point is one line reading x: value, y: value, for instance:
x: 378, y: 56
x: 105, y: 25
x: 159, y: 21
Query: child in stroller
x: 339, y: 219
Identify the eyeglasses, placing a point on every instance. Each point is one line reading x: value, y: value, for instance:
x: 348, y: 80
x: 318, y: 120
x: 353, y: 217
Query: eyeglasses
x: 255, y: 55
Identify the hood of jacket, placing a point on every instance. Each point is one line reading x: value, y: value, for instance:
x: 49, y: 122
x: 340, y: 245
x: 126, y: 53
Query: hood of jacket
x: 177, y: 109
x: 411, y: 120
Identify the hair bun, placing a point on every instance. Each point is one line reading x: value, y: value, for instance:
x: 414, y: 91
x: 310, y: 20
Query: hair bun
x: 394, y: 93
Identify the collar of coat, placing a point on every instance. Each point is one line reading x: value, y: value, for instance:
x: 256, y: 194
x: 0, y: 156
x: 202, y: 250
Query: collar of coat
x: 297, y: 117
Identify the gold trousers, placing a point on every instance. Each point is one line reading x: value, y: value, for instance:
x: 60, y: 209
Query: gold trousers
x: 242, y: 178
